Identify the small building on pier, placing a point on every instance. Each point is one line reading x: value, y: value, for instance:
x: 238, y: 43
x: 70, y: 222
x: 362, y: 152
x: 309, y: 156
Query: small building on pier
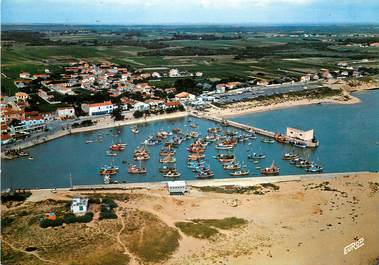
x: 301, y: 135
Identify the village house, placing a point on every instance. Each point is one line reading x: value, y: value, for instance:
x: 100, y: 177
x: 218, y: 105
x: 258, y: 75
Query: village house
x: 172, y: 104
x: 24, y: 75
x: 43, y: 76
x: 102, y: 108
x: 29, y: 125
x: 178, y: 187
x: 232, y: 85
x: 21, y: 96
x: 141, y: 106
x: 156, y: 75
x: 79, y: 205
x: 21, y: 83
x: 185, y: 97
x: 220, y: 88
x: 173, y: 73
x: 305, y: 78
x: 156, y: 104
x: 65, y: 113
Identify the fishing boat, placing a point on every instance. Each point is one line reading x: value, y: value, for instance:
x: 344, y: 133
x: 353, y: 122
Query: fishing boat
x: 167, y: 152
x: 172, y: 174
x: 195, y: 164
x: 195, y: 156
x: 232, y: 166
x: 176, y: 130
x: 22, y: 153
x: 267, y: 141
x: 108, y: 171
x: 117, y: 147
x: 110, y: 153
x: 273, y: 170
x: 315, y: 169
x: 256, y: 156
x: 166, y: 169
x: 31, y: 158
x: 214, y: 130
x: 135, y: 129
x: 280, y: 138
x: 141, y: 154
x: 107, y: 179
x: 205, y: 174
x: 225, y: 158
x: 221, y: 146
x: 193, y: 125
x: 168, y: 159
x: 196, y: 149
x: 242, y: 172
x: 133, y: 169
x: 89, y: 141
x: 194, y: 134
x: 290, y: 156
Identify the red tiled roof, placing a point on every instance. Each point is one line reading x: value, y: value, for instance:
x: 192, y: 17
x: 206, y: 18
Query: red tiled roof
x: 105, y: 103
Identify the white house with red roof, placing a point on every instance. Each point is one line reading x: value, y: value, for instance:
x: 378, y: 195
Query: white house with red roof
x: 101, y: 108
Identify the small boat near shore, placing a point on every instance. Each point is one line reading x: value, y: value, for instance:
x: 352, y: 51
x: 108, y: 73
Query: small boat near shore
x: 172, y: 174
x: 273, y: 170
x: 242, y: 172
x: 135, y: 130
x: 267, y: 141
x: 254, y: 156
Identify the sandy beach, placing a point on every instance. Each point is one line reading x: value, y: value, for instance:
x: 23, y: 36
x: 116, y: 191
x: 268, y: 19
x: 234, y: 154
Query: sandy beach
x: 242, y: 108
x: 302, y: 221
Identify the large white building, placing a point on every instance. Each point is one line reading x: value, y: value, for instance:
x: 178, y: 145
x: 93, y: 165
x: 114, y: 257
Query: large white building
x: 64, y: 113
x: 79, y: 205
x: 98, y: 108
x: 177, y: 187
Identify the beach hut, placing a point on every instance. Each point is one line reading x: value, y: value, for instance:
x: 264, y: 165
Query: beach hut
x: 177, y: 187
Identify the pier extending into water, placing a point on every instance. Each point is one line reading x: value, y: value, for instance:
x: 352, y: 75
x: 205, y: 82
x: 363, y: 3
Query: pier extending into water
x: 276, y: 136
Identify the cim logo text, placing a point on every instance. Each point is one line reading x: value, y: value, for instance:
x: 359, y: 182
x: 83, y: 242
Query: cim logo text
x: 355, y: 245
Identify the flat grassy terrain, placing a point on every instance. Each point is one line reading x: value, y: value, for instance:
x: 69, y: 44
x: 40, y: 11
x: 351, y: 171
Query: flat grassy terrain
x: 206, y: 228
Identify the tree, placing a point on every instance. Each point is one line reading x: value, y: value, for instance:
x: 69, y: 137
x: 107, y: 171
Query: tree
x: 117, y: 113
x: 137, y: 114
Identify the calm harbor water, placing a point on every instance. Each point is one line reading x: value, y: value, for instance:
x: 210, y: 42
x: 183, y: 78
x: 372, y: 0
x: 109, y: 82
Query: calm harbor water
x: 349, y: 137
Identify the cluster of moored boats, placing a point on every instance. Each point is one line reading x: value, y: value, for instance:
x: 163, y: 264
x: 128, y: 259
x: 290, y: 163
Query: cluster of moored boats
x: 224, y: 142
x: 308, y: 165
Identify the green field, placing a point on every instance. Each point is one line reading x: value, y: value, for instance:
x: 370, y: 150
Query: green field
x: 264, y: 55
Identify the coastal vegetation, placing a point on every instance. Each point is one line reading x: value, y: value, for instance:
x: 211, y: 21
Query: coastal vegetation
x: 206, y: 228
x: 260, y: 189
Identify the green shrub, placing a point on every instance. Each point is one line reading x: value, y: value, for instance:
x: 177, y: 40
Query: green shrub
x: 70, y: 218
x: 53, y: 223
x: 107, y: 215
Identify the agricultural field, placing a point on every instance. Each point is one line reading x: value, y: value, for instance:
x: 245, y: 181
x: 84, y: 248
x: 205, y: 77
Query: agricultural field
x: 248, y: 53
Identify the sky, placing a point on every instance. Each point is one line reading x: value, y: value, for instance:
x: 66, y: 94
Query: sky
x: 131, y: 12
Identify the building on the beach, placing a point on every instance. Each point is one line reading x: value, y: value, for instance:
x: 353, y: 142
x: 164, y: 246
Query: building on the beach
x: 29, y: 124
x: 299, y: 134
x: 178, y: 187
x: 102, y: 108
x: 65, y: 113
x: 79, y: 205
